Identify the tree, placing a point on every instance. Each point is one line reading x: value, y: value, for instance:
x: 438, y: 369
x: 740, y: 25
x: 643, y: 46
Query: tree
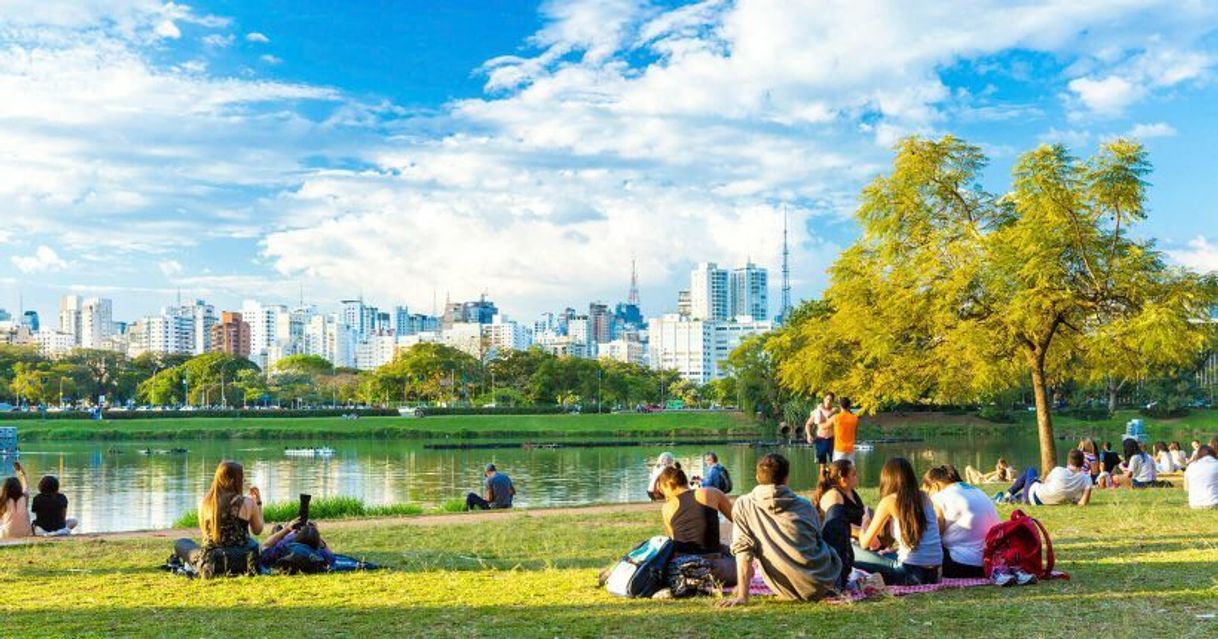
x: 311, y: 365
x: 953, y: 294
x: 102, y: 369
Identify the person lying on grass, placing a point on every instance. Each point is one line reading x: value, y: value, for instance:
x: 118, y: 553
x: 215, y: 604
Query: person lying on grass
x: 909, y: 515
x: 691, y: 520
x: 283, y: 542
x: 1069, y: 485
x: 782, y: 531
x: 965, y: 515
x: 1003, y: 472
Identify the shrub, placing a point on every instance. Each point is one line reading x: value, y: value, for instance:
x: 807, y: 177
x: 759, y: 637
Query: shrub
x: 997, y: 414
x: 340, y: 507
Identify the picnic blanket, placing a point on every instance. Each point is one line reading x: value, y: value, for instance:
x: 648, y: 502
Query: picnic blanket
x: 342, y: 563
x: 758, y: 588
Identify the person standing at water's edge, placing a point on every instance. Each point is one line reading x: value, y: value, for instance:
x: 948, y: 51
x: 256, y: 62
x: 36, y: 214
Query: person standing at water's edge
x: 498, y: 491
x: 818, y: 430
x: 845, y: 428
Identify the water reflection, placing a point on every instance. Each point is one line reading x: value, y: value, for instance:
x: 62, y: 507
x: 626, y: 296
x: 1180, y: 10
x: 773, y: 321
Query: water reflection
x: 113, y: 487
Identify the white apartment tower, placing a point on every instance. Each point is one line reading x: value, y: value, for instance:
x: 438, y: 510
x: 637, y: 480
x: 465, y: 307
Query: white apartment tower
x: 749, y: 292
x: 708, y: 292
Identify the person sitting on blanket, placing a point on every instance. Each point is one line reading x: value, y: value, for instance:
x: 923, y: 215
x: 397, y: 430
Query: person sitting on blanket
x: 498, y: 488
x: 1201, y: 479
x: 51, y: 509
x: 782, y: 531
x: 1003, y: 472
x: 226, y: 516
x: 691, y: 520
x: 1069, y: 485
x: 909, y: 515
x: 965, y: 515
x: 279, y: 544
x: 838, y: 485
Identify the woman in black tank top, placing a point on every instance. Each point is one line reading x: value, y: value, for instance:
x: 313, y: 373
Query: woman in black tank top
x: 695, y: 527
x: 691, y: 519
x: 837, y: 482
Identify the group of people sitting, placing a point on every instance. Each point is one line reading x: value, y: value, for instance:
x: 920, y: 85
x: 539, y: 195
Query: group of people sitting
x: 918, y: 532
x: 49, y: 506
x: 230, y: 518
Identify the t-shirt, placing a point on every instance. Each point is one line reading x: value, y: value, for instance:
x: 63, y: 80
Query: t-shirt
x: 1201, y: 476
x: 845, y: 427
x: 820, y: 417
x: 50, y: 511
x: 714, y: 478
x: 500, y: 487
x: 1142, y: 468
x: 1165, y: 463
x: 1061, y: 486
x: 969, y: 514
x: 15, y: 522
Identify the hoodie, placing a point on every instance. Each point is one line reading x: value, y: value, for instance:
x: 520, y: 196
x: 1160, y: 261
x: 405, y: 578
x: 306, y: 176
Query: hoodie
x: 781, y: 531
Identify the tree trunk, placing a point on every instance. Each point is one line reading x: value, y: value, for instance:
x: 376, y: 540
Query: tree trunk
x: 1114, y: 389
x: 1044, y: 420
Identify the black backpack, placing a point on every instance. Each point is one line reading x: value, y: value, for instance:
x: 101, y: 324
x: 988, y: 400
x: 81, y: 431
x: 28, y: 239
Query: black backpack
x: 727, y: 481
x: 641, y: 572
x: 228, y: 561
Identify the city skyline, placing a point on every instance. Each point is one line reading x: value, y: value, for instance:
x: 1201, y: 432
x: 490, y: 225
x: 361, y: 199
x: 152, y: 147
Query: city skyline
x: 227, y: 150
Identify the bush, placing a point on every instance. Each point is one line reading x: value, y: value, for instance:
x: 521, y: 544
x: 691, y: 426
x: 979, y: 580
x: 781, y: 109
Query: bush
x: 322, y: 508
x: 1165, y: 410
x: 997, y: 414
x: 1087, y: 413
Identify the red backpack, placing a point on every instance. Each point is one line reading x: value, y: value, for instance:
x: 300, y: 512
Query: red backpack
x: 1016, y: 544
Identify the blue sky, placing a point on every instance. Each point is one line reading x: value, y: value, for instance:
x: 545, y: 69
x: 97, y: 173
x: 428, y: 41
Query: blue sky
x: 416, y: 150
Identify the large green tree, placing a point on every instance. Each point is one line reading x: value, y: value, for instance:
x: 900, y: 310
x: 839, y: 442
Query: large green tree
x: 953, y: 294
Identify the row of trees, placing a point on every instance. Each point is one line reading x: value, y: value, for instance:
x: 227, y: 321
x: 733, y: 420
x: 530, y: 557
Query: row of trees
x: 424, y: 373
x: 954, y: 295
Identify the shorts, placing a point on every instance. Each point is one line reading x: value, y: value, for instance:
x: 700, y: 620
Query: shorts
x: 824, y: 449
x: 840, y: 455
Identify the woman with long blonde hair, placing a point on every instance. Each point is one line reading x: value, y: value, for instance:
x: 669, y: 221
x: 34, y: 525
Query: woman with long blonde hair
x: 226, y: 515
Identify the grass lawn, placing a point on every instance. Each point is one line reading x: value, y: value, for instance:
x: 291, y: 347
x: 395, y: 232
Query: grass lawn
x: 643, y: 425
x: 1142, y: 564
x: 1201, y: 423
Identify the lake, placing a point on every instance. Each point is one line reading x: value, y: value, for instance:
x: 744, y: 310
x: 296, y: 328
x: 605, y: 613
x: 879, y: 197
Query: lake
x: 111, y: 486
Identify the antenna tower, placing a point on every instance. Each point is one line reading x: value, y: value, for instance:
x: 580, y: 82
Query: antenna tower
x: 786, y: 271
x: 633, y: 298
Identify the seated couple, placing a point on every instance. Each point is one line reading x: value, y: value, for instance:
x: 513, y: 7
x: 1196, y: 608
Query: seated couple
x: 227, y: 517
x: 49, y: 505
x: 1063, y: 485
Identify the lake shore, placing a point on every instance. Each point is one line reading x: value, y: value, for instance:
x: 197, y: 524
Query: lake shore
x: 533, y: 574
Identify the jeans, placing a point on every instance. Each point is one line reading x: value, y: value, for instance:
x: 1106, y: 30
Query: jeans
x: 960, y: 571
x: 824, y: 449
x: 894, y: 572
x: 836, y: 534
x: 1019, y: 490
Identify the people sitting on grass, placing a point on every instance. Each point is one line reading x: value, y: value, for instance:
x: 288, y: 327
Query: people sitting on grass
x: 1164, y: 462
x: 497, y: 490
x: 1003, y: 473
x: 1139, y: 467
x: 663, y: 461
x: 845, y: 429
x: 907, y: 513
x: 965, y: 515
x: 691, y: 520
x: 819, y: 428
x: 51, y: 509
x: 716, y: 475
x: 1177, y: 455
x: 1195, y: 445
x: 838, y: 485
x: 15, y: 505
x: 290, y: 540
x: 1201, y: 479
x: 1091, y: 458
x: 782, y: 532
x: 227, y: 518
x: 1063, y: 485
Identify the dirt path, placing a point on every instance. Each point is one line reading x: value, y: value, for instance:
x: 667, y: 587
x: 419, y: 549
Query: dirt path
x: 339, y: 524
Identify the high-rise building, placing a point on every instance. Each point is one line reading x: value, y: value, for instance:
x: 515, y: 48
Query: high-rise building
x: 329, y: 337
x: 360, y: 317
x: 749, y: 292
x: 506, y: 335
x: 401, y: 320
x: 481, y: 311
x: 684, y: 306
x: 697, y: 349
x: 96, y: 322
x: 600, y: 325
x: 203, y: 317
x: 5, y: 316
x: 231, y: 335
x: 30, y: 319
x: 270, y: 332
x: 69, y: 316
x: 708, y: 292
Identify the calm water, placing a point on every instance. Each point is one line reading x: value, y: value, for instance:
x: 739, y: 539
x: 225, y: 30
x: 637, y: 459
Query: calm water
x: 111, y: 486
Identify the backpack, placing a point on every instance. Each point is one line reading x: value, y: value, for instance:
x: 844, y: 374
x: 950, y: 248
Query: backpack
x: 1016, y: 544
x: 301, y: 558
x: 727, y: 481
x: 228, y: 561
x: 641, y: 572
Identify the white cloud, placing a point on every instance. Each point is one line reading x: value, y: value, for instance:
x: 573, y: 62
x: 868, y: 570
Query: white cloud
x: 219, y: 41
x: 44, y: 260
x: 170, y: 268
x: 1200, y: 255
x: 254, y: 36
x: 270, y: 59
x: 5, y: 236
x: 1155, y: 130
x: 1108, y: 96
x: 167, y: 29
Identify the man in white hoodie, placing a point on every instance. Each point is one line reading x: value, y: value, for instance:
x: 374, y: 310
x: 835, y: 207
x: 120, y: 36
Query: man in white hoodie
x: 782, y: 531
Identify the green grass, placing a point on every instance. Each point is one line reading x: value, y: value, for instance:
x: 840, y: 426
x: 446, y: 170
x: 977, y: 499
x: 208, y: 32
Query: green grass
x: 1142, y: 564
x: 319, y: 509
x: 668, y: 424
x: 1200, y: 423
